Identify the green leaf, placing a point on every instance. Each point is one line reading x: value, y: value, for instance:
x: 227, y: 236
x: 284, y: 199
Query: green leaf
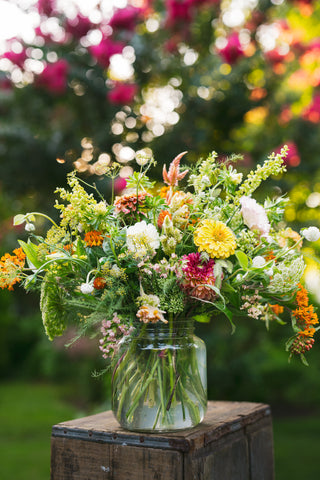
x: 204, y: 318
x: 242, y: 259
x: 220, y: 306
x: 19, y: 219
x: 30, y: 249
x: 304, y: 360
x: 80, y: 250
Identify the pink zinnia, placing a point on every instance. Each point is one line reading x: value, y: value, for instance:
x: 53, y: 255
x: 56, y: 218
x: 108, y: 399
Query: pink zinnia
x: 198, y: 276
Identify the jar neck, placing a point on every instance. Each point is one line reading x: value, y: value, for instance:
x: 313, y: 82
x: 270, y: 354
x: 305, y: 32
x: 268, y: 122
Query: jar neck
x: 175, y: 328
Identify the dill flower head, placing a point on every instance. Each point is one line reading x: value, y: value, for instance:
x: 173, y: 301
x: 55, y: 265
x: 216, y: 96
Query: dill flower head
x: 215, y: 238
x: 198, y: 277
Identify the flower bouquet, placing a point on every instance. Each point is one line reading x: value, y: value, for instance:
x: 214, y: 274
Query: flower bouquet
x: 139, y: 271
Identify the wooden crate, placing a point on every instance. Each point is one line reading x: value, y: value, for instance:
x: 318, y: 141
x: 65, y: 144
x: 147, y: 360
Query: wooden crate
x: 234, y: 442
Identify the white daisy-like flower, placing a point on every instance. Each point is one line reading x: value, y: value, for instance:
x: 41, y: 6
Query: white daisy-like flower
x: 254, y: 215
x: 142, y: 238
x: 312, y: 234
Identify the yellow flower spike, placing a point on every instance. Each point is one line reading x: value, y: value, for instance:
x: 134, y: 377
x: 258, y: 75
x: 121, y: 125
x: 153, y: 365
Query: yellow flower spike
x: 215, y: 238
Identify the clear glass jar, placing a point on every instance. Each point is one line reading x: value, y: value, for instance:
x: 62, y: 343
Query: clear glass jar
x: 159, y: 380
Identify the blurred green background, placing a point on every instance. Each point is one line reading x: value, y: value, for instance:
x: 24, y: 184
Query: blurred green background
x: 86, y: 83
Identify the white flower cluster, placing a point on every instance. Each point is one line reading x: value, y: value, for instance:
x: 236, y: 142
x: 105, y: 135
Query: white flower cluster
x: 142, y: 239
x: 287, y: 276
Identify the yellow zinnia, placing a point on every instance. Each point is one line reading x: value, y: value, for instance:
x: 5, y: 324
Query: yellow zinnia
x: 215, y: 238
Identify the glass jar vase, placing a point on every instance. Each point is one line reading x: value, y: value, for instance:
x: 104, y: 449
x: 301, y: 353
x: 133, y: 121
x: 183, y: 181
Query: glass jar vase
x: 159, y: 381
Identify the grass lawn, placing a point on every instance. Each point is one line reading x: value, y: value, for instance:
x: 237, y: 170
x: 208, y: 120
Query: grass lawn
x: 27, y: 412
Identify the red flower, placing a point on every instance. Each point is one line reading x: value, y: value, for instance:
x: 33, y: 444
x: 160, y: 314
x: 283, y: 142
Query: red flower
x: 233, y: 50
x: 54, y: 77
x: 104, y: 50
x: 125, y: 18
x: 16, y: 58
x: 122, y: 93
x: 78, y: 26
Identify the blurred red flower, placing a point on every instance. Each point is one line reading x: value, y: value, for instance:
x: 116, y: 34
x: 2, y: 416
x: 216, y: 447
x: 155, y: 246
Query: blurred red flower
x: 233, y: 49
x: 16, y: 58
x: 293, y: 158
x: 105, y: 49
x: 78, y: 26
x: 54, y: 77
x: 312, y: 112
x: 46, y: 7
x: 122, y: 93
x: 125, y: 18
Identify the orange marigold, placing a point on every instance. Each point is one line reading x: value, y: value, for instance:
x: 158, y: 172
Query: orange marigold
x: 99, y: 283
x: 93, y: 238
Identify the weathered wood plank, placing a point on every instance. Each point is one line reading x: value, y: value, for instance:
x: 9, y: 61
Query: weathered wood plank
x: 234, y: 442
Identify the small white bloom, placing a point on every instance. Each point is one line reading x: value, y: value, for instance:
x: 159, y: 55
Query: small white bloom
x: 86, y: 288
x: 312, y: 234
x: 205, y: 180
x: 142, y: 238
x: 56, y: 256
x: 236, y: 177
x: 239, y: 277
x: 258, y: 261
x: 269, y: 272
x: 30, y: 227
x: 254, y: 215
x: 80, y: 227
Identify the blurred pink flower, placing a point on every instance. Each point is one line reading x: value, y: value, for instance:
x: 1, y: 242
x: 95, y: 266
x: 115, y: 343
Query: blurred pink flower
x: 125, y: 18
x: 233, y: 50
x: 179, y: 11
x: 16, y: 58
x: 78, y: 26
x: 122, y: 93
x: 119, y: 184
x: 46, y: 7
x: 293, y: 157
x: 105, y: 49
x: 54, y: 76
x: 312, y: 112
